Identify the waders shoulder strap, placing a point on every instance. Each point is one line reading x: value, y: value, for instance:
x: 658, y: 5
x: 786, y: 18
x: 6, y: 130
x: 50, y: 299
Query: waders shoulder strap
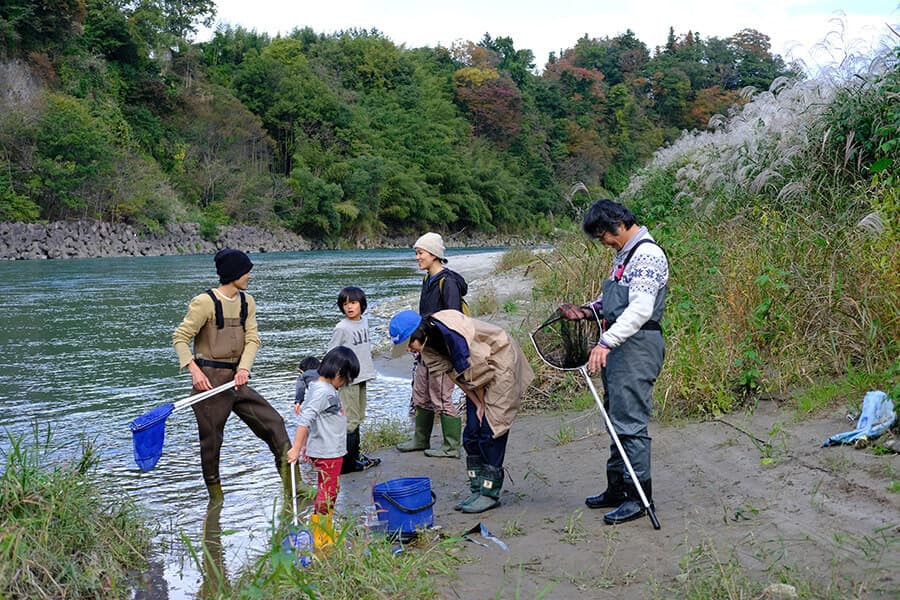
x: 220, y: 317
x: 621, y: 270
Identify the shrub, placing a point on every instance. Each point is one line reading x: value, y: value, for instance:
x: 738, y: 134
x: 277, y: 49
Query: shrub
x: 60, y: 535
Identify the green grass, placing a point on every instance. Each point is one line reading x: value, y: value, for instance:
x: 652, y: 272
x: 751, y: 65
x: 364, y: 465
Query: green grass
x: 61, y: 535
x: 383, y: 434
x: 565, y: 435
x: 514, y: 257
x: 360, y: 565
x: 820, y: 396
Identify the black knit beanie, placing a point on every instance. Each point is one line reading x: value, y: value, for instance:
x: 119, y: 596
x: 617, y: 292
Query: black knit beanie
x: 232, y: 264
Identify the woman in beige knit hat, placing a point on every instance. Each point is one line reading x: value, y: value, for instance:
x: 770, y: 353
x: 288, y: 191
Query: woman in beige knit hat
x: 442, y: 289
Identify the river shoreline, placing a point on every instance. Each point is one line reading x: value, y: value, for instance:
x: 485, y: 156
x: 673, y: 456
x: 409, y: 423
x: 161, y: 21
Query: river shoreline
x: 95, y: 239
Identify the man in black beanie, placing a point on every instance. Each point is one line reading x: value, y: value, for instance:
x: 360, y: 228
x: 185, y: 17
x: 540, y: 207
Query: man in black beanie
x: 221, y: 323
x: 231, y: 265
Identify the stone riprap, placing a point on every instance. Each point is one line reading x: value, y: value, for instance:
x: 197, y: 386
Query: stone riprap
x: 82, y: 239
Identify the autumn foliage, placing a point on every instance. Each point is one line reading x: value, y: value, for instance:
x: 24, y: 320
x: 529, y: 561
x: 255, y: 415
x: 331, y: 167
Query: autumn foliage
x: 339, y: 137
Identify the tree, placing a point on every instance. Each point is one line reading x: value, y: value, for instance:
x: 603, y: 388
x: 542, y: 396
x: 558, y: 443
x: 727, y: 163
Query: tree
x: 29, y: 25
x: 73, y: 158
x: 671, y: 90
x: 516, y: 63
x: 181, y: 17
x: 708, y: 102
x: 494, y: 103
x: 754, y: 64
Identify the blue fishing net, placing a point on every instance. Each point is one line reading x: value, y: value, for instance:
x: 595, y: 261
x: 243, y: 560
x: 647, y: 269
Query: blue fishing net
x: 300, y: 544
x: 148, y: 433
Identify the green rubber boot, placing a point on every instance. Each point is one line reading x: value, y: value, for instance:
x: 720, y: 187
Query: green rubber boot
x: 491, y: 482
x: 421, y: 439
x: 451, y: 428
x: 473, y: 470
x: 216, y: 496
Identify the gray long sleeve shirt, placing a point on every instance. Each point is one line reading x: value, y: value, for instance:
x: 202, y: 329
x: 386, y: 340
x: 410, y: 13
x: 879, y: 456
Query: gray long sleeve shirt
x: 323, y: 415
x: 355, y: 335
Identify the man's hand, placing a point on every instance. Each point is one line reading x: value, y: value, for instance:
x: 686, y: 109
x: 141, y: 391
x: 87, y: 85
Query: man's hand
x: 198, y: 378
x: 241, y: 377
x: 571, y: 312
x: 597, y: 359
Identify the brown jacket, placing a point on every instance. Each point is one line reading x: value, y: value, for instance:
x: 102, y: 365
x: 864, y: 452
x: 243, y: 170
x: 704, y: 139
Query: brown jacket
x: 498, y: 372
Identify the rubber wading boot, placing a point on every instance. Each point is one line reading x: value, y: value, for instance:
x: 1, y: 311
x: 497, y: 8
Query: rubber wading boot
x: 632, y: 508
x: 616, y: 492
x: 323, y: 532
x: 216, y: 496
x: 473, y: 470
x: 422, y: 436
x: 451, y: 428
x: 489, y: 496
x: 352, y: 456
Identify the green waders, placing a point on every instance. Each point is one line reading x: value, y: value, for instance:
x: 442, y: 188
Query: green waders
x: 473, y: 470
x: 421, y: 439
x: 451, y: 429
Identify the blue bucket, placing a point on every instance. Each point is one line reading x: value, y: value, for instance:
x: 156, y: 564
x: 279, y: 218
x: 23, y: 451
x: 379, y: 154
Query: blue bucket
x: 405, y: 504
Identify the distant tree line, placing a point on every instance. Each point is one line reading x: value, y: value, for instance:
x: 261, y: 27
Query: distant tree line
x: 337, y: 137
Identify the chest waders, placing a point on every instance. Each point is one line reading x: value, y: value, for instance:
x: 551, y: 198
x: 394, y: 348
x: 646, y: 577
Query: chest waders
x: 217, y: 348
x: 628, y: 377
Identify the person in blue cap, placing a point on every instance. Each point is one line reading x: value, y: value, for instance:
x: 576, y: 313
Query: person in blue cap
x: 488, y: 365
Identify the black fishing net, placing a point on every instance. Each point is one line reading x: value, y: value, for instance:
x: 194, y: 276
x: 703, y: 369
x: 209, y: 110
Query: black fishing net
x: 565, y: 344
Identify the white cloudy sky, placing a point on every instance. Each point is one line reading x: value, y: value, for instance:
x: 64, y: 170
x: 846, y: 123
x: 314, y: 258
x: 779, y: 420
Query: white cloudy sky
x: 794, y: 26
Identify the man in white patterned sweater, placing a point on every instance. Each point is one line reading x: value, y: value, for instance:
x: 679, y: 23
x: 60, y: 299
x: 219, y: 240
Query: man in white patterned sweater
x: 629, y: 353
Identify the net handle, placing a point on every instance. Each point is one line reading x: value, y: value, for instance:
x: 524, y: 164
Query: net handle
x: 190, y: 400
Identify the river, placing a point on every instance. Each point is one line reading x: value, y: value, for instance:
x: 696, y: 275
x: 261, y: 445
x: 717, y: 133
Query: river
x: 86, y: 346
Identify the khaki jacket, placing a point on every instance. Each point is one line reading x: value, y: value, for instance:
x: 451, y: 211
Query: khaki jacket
x: 498, y: 372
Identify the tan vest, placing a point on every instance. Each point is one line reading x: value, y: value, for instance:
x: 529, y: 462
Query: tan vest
x: 225, y: 344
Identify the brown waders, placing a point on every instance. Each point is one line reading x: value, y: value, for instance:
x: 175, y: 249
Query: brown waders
x: 263, y: 420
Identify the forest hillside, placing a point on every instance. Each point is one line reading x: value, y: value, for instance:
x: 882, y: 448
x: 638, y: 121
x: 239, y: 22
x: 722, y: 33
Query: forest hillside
x: 110, y: 113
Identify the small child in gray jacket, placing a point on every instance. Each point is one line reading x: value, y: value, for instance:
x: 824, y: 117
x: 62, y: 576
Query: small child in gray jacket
x: 308, y: 374
x: 321, y: 436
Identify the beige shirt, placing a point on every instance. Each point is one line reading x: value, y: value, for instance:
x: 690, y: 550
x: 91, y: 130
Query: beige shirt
x: 201, y: 312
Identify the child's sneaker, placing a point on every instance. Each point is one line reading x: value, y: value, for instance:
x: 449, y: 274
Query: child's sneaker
x: 365, y: 462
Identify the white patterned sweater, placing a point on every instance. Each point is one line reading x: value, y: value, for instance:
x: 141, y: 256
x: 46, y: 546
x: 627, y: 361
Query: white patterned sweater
x: 645, y: 275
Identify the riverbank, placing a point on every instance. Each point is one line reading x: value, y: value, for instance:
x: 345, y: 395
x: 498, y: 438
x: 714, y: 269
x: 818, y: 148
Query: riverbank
x: 92, y: 239
x: 751, y: 505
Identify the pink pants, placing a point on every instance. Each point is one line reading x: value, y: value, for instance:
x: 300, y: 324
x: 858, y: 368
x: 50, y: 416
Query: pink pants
x: 328, y: 471
x: 433, y: 391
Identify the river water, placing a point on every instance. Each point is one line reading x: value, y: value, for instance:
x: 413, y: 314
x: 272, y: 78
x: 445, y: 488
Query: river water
x: 86, y: 346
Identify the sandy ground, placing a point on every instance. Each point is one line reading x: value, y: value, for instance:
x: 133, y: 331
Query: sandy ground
x: 749, y: 497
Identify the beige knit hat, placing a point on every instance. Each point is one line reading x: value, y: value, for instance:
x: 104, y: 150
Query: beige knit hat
x: 432, y: 243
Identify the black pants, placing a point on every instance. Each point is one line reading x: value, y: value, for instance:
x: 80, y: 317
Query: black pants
x: 478, y: 439
x: 212, y: 413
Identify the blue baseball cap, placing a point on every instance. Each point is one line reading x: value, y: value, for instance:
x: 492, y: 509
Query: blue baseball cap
x: 402, y: 325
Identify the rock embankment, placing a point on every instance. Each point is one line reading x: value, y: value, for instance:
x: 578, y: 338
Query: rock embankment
x: 85, y: 239
x: 82, y: 239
